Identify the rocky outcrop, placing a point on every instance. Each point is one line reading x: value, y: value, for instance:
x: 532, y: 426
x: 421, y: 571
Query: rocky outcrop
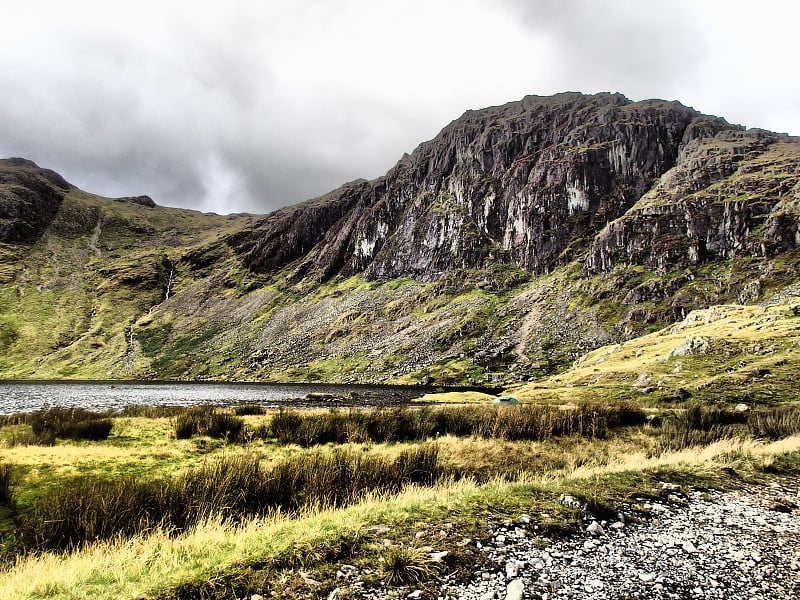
x: 29, y: 199
x: 735, y: 194
x: 140, y: 200
x: 528, y: 184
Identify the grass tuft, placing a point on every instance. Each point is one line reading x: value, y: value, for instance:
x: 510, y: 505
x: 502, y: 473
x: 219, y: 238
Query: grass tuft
x: 204, y: 420
x: 776, y: 423
x: 69, y: 423
x: 407, y: 566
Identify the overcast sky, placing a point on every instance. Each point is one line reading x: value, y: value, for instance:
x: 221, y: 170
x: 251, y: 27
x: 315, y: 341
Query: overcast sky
x: 251, y: 105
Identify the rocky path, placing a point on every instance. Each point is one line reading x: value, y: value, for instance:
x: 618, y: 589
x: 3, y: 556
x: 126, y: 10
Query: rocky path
x: 738, y: 545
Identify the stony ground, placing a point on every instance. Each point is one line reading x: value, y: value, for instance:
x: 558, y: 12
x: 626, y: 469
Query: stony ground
x: 732, y: 545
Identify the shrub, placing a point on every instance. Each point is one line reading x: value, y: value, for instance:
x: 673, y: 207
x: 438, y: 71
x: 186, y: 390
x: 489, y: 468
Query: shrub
x: 69, y: 423
x: 6, y: 479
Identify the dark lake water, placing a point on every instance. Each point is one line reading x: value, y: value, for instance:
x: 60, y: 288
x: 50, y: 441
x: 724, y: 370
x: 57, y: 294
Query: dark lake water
x: 29, y: 396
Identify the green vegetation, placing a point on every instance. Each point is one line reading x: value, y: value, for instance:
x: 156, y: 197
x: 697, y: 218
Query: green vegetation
x: 724, y: 354
x: 82, y: 510
x: 74, y: 423
x: 206, y: 421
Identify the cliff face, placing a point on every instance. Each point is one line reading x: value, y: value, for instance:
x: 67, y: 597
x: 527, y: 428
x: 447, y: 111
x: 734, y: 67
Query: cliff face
x: 735, y: 194
x: 29, y: 199
x: 529, y: 184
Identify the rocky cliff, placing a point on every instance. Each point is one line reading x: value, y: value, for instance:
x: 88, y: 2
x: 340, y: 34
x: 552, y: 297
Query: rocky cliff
x: 29, y: 199
x: 529, y: 184
x: 519, y: 238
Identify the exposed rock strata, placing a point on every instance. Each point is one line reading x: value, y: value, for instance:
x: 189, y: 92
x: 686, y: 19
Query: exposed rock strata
x: 519, y: 238
x: 543, y: 181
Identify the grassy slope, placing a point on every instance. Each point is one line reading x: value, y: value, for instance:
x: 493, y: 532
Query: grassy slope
x: 101, y: 267
x: 721, y: 354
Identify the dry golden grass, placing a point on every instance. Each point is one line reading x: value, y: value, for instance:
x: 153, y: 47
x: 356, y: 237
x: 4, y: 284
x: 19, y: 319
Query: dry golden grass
x: 457, y: 398
x: 137, y: 567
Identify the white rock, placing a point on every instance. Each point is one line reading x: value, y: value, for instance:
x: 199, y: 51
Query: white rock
x: 512, y: 569
x: 689, y: 547
x: 515, y: 590
x: 595, y: 529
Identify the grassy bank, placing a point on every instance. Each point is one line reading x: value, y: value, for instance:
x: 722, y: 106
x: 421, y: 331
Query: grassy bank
x: 146, y: 514
x: 282, y: 553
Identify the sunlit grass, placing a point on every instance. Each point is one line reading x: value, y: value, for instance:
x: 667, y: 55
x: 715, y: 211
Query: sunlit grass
x: 142, y: 566
x: 743, y: 349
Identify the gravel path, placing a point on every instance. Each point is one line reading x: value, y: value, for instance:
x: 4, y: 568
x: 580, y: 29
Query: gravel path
x: 738, y: 545
x: 743, y: 544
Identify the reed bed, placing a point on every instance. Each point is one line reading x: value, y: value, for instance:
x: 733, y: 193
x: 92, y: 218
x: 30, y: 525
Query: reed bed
x: 703, y: 425
x: 518, y: 423
x: 82, y: 510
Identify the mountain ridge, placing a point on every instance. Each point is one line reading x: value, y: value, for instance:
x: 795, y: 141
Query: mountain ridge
x: 517, y: 239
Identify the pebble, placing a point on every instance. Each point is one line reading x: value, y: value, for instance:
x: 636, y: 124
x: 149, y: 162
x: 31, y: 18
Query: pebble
x: 515, y: 590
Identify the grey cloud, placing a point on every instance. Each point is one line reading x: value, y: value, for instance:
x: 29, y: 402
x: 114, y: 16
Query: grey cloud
x: 626, y: 46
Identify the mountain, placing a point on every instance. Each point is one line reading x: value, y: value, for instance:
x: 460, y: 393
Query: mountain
x: 518, y: 239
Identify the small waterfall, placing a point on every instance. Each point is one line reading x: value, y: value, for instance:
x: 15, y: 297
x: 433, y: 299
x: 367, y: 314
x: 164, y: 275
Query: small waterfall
x: 169, y: 281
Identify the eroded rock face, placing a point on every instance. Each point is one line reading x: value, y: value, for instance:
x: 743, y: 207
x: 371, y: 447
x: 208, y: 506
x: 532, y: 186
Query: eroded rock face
x: 530, y: 184
x: 29, y: 199
x: 731, y: 195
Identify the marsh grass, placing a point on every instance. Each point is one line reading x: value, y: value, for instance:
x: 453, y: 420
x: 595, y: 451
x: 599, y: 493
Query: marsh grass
x: 85, y: 509
x: 247, y: 410
x: 703, y: 425
x: 206, y: 420
x: 149, y: 411
x: 528, y: 422
x: 775, y: 423
x: 6, y: 480
x: 69, y: 423
x: 220, y: 559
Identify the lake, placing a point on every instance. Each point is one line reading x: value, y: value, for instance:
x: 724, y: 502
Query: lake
x: 26, y: 396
